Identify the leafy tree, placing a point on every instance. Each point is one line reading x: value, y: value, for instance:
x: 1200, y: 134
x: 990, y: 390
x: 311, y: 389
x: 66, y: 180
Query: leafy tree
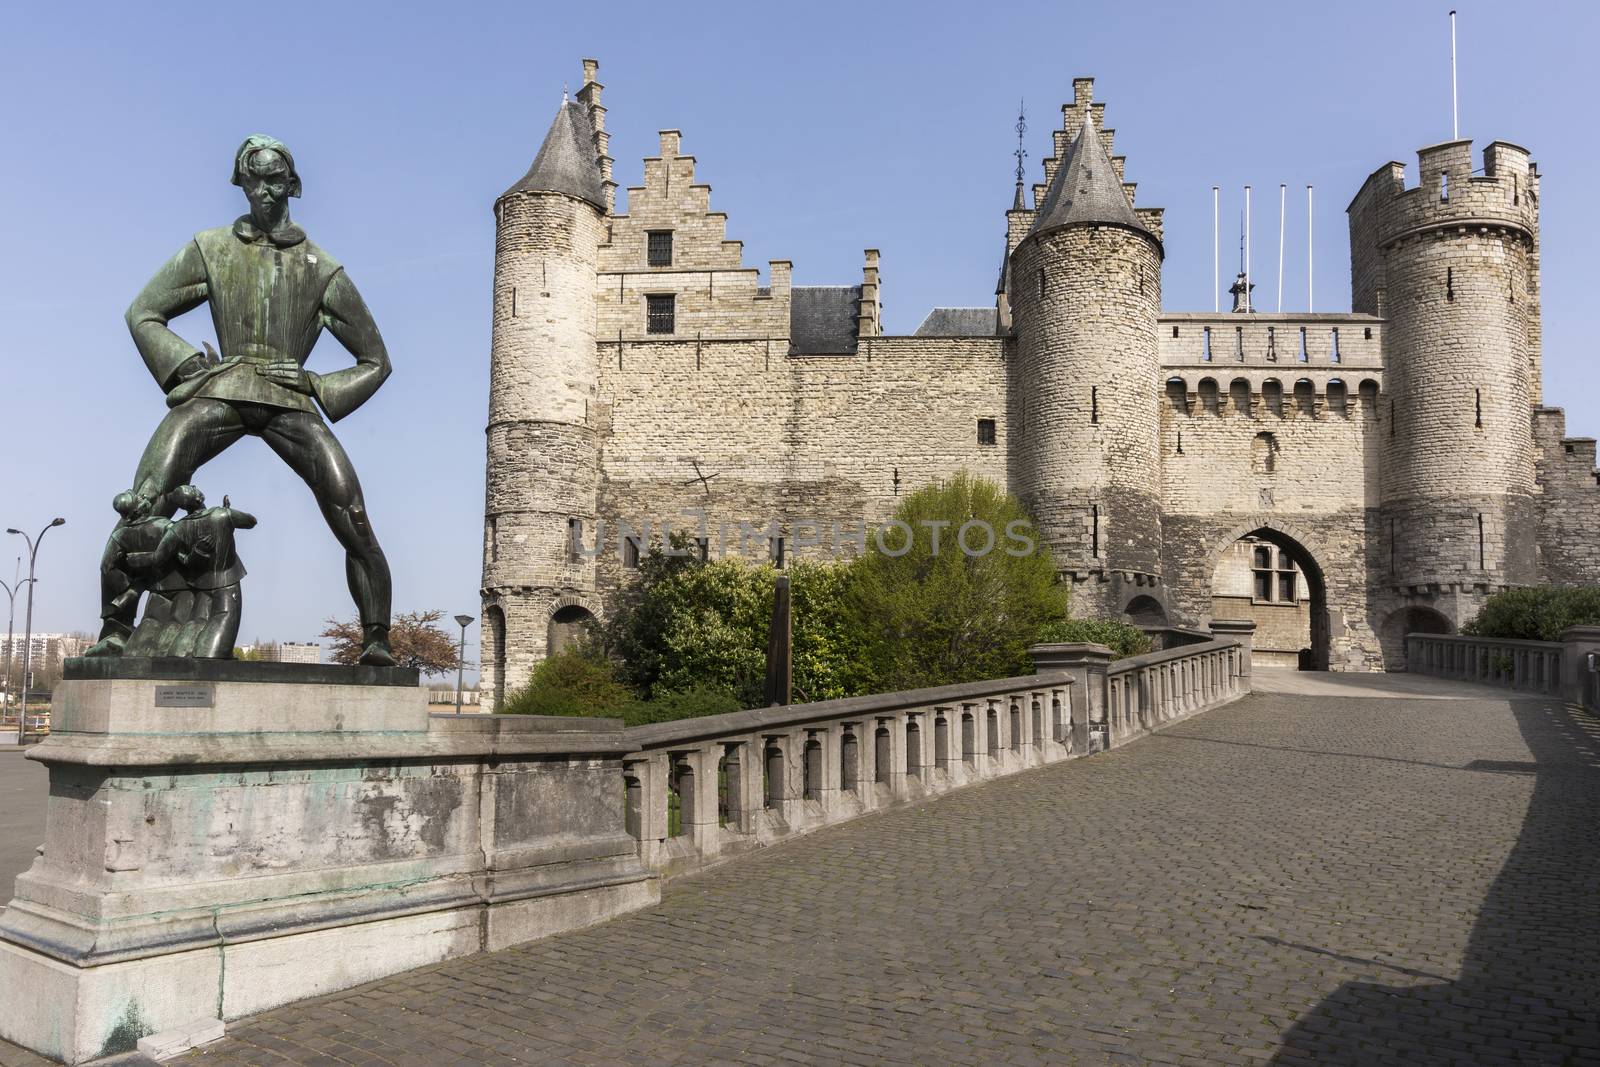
x: 687, y: 624
x: 414, y: 638
x: 936, y: 614
x: 1536, y: 613
x: 1120, y: 637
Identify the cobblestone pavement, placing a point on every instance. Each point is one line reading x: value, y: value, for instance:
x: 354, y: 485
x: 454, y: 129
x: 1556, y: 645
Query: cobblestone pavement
x: 1293, y: 880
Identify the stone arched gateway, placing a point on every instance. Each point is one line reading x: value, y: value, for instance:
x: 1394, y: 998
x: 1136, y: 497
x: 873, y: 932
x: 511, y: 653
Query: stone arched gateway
x: 1304, y: 548
x: 570, y: 618
x: 1411, y: 619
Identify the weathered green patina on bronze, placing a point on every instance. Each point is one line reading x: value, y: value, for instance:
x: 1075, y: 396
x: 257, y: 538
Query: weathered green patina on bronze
x: 272, y: 292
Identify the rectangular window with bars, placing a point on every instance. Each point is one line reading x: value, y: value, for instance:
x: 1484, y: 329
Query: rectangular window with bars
x: 660, y: 313
x: 658, y: 248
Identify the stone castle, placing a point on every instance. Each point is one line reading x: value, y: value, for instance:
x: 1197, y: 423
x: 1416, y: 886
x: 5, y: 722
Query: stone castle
x: 1395, y: 462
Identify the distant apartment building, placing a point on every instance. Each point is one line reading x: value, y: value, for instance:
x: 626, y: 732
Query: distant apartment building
x: 284, y: 652
x: 48, y: 650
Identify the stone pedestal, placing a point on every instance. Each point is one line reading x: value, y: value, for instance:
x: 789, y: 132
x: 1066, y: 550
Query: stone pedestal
x: 1087, y: 662
x: 222, y: 838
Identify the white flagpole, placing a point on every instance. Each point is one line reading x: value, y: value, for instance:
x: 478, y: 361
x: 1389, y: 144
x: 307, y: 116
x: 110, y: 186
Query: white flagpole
x: 1216, y: 252
x: 1310, y: 261
x: 1455, y: 114
x: 1283, y: 195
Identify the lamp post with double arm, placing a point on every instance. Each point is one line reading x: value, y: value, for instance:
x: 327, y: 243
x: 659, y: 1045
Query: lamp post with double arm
x: 27, y: 640
x: 12, y: 589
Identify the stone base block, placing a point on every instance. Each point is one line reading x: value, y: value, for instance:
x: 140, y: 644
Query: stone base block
x: 177, y: 1041
x: 264, y: 974
x: 223, y: 841
x: 76, y: 1014
x: 519, y: 921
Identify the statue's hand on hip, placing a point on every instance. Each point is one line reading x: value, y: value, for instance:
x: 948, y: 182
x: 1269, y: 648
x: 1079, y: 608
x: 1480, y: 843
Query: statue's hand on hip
x: 290, y: 375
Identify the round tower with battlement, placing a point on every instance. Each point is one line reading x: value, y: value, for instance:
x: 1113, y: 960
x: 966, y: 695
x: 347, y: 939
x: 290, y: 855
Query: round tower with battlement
x: 1085, y: 292
x: 543, y: 451
x: 1452, y: 264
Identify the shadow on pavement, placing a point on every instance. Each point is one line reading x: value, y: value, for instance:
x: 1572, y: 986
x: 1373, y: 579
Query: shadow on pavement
x: 1529, y: 987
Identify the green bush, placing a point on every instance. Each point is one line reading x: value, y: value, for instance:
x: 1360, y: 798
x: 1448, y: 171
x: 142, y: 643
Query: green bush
x: 681, y: 704
x: 871, y: 625
x: 1537, y: 613
x: 687, y: 624
x: 932, y: 617
x: 1121, y: 638
x: 575, y: 681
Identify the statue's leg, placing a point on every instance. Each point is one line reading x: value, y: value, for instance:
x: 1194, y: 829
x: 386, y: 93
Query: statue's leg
x: 308, y: 446
x: 221, y: 630
x: 189, y: 435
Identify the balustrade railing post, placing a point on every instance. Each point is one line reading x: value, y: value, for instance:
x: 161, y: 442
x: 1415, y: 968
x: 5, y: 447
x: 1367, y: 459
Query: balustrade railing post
x: 1576, y: 682
x: 947, y: 753
x: 1087, y: 664
x: 1242, y: 631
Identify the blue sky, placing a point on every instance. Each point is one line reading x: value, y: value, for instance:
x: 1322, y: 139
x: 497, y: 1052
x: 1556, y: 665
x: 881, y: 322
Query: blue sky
x: 823, y: 129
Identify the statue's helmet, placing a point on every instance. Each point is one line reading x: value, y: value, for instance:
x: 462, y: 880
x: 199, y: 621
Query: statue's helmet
x: 129, y: 504
x: 187, y: 497
x: 255, y: 144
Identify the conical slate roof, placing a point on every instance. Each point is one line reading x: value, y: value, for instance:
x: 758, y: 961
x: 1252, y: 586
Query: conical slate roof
x: 1086, y: 190
x: 567, y: 161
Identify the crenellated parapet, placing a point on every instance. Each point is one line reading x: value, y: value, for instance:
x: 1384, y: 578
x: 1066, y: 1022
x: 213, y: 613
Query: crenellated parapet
x: 1448, y: 199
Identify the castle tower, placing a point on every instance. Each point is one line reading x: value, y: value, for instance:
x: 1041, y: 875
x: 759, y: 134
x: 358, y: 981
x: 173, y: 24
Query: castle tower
x: 543, y: 462
x: 1452, y: 263
x: 1085, y: 291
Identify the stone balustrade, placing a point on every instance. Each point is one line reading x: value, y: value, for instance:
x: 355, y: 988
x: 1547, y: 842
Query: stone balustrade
x: 1143, y: 693
x: 1569, y: 668
x: 701, y: 790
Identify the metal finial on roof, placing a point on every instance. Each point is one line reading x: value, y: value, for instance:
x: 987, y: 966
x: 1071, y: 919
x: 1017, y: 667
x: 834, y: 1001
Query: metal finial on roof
x: 1021, y: 130
x: 563, y: 92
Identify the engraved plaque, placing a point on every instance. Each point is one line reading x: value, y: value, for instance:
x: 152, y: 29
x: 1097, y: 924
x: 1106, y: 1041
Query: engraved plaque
x: 184, y: 696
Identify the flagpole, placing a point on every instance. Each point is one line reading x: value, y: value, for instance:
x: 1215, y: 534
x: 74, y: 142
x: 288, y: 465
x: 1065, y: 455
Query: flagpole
x: 1216, y: 252
x: 1455, y: 114
x: 1310, y: 261
x: 1283, y: 199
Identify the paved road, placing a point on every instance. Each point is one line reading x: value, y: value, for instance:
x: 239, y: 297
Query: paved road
x: 24, y: 788
x: 1294, y: 879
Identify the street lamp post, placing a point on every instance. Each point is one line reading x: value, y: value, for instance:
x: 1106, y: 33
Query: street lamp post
x: 27, y: 639
x: 461, y: 656
x: 12, y: 590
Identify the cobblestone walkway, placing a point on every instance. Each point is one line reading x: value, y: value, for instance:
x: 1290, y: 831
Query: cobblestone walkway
x: 1292, y: 879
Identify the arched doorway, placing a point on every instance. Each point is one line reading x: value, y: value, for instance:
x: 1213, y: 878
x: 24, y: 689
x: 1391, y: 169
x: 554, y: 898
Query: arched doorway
x: 1270, y: 577
x: 1413, y: 619
x: 567, y: 625
x: 1146, y: 611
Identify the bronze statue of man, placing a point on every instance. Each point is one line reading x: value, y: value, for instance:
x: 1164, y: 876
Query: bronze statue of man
x: 272, y: 292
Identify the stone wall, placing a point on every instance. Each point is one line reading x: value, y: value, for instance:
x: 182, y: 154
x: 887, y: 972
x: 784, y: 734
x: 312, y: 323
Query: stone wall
x: 1569, y: 503
x: 780, y: 439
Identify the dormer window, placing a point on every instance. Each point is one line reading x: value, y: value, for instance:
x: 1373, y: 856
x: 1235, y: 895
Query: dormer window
x: 658, y: 248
